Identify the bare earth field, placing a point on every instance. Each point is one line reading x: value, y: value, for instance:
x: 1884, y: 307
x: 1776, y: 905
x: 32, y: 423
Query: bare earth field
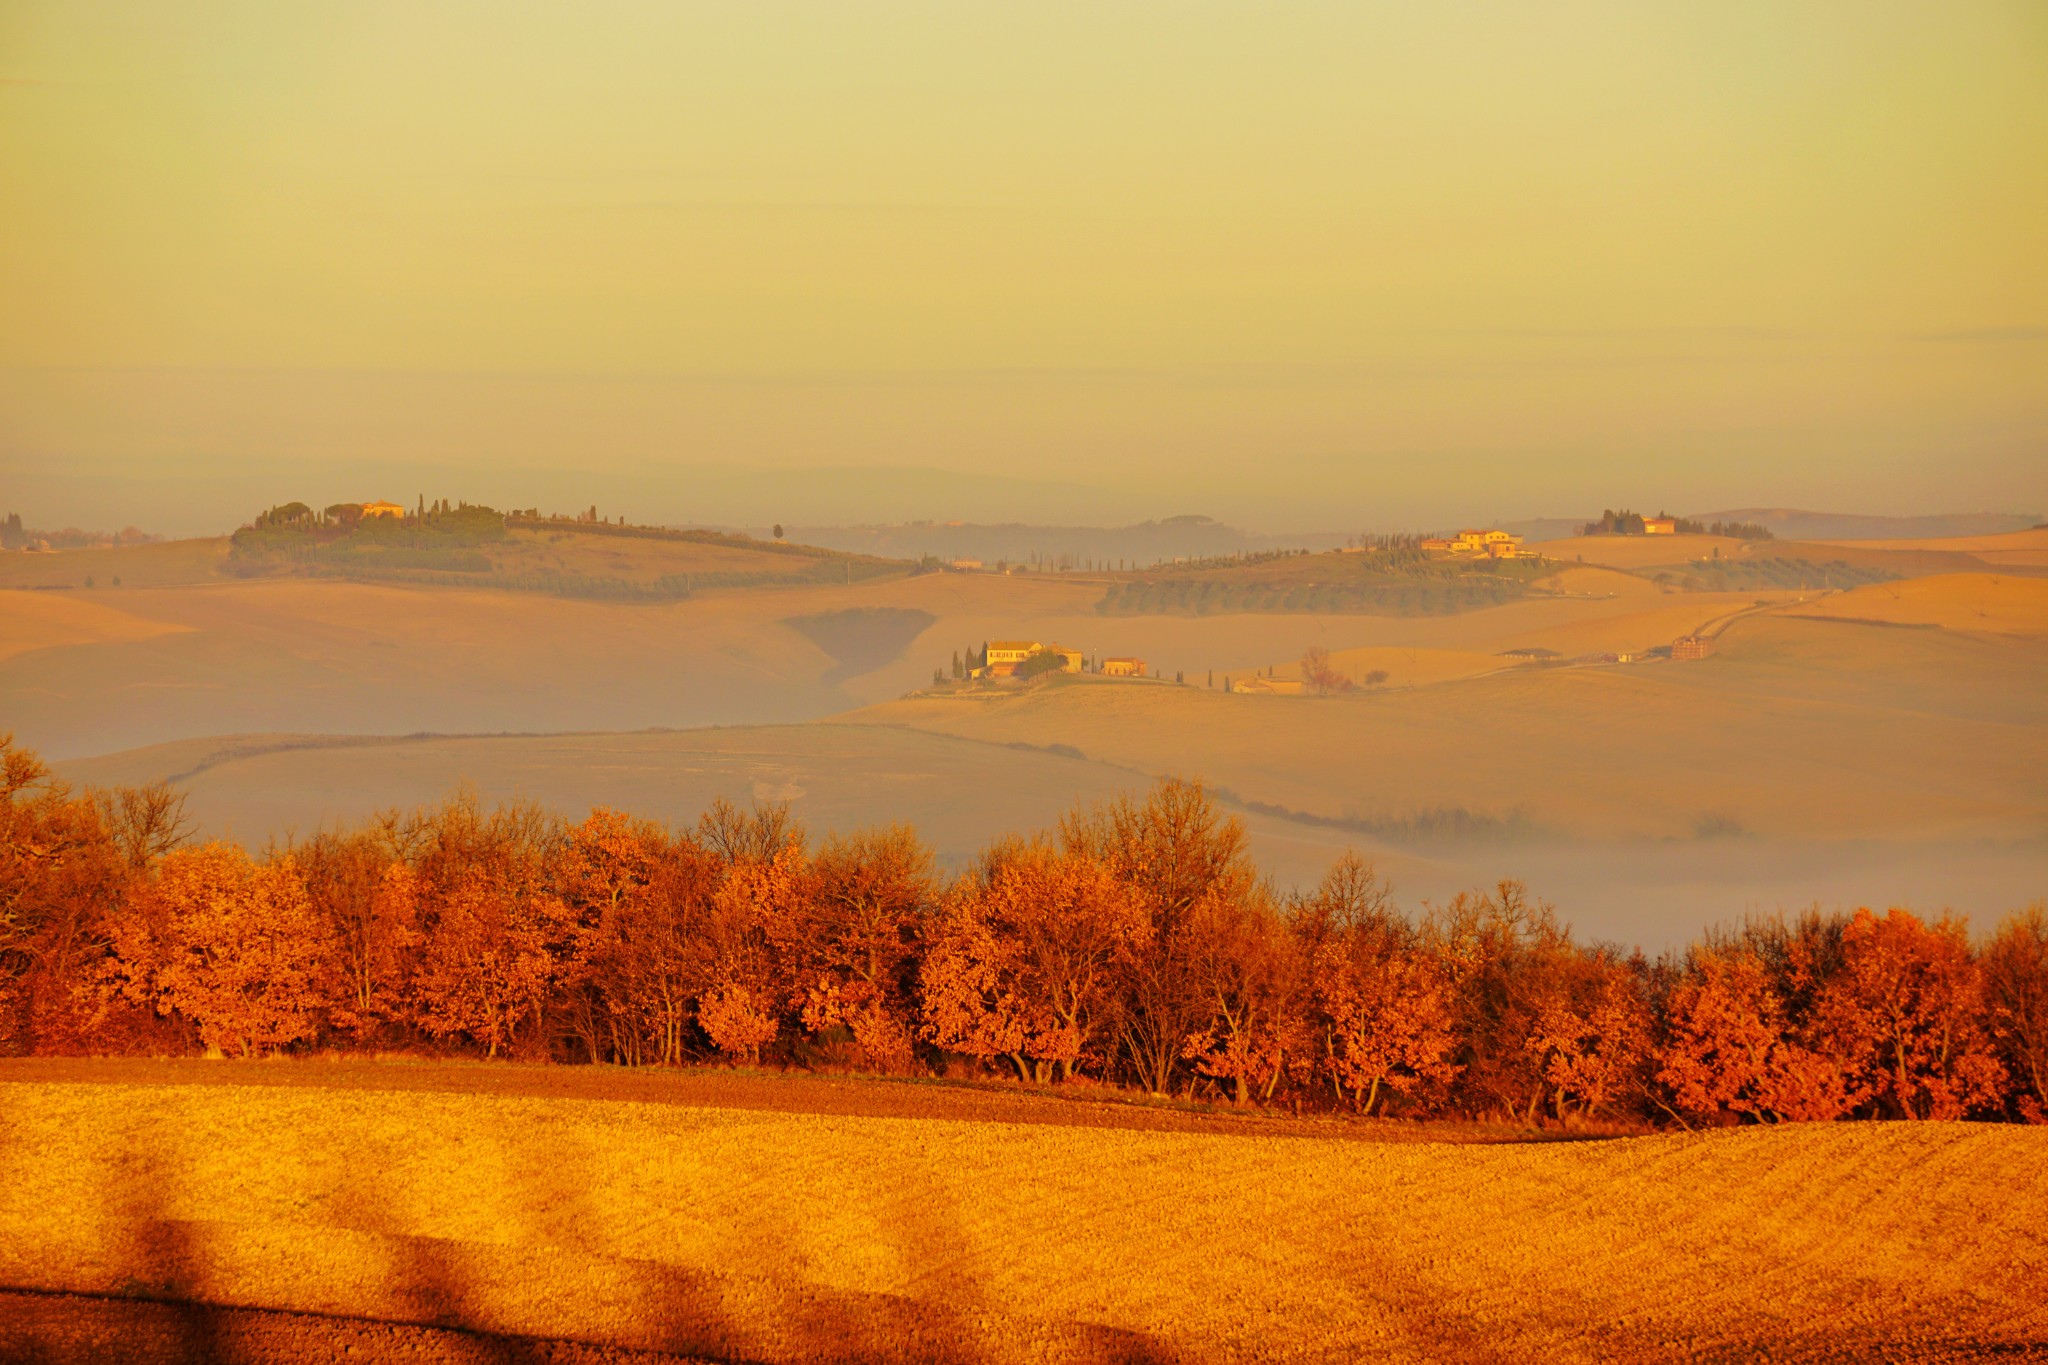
x: 722, y: 1232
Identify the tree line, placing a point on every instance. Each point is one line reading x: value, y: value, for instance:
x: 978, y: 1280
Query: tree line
x: 1135, y: 944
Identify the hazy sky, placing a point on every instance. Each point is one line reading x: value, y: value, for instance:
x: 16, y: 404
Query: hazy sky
x: 1343, y: 264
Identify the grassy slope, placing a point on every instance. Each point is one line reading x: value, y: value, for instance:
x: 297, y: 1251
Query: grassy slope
x: 796, y: 1237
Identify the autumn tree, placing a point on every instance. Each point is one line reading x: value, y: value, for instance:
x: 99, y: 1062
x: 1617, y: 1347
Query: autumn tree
x: 495, y: 935
x: 1322, y: 677
x: 368, y: 901
x: 1506, y: 959
x: 1733, y: 1046
x: 741, y: 1006
x: 1248, y: 978
x: 1173, y: 849
x: 231, y: 945
x: 1591, y: 1034
x: 66, y: 860
x: 2015, y: 966
x: 1025, y: 957
x: 852, y: 944
x: 642, y: 903
x: 1907, y: 1006
x: 1379, y: 1006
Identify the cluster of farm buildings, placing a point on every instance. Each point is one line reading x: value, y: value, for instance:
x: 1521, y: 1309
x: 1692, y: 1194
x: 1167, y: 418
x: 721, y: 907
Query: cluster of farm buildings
x: 1479, y: 545
x: 1002, y: 659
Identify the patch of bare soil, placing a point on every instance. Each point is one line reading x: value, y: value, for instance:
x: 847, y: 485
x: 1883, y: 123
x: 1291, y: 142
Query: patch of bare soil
x: 315, y: 1206
x: 1078, y: 1106
x: 83, y: 1329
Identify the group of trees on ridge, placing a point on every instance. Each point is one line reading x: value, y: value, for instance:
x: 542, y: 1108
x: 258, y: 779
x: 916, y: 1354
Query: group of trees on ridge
x: 1135, y: 944
x: 1627, y: 523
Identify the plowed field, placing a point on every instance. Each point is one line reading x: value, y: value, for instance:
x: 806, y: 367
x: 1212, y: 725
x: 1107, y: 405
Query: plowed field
x: 776, y: 1235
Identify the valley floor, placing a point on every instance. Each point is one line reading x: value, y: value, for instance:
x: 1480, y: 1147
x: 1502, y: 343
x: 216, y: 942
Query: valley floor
x: 462, y: 1212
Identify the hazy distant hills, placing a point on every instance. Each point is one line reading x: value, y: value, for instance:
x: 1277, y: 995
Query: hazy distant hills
x: 1791, y: 524
x: 1149, y: 542
x: 1017, y: 543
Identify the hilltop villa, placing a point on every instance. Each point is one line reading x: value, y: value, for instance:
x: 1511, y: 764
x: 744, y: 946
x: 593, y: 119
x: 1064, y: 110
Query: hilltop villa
x: 383, y: 509
x: 1000, y: 657
x: 1660, y: 526
x: 1123, y: 668
x: 1479, y: 544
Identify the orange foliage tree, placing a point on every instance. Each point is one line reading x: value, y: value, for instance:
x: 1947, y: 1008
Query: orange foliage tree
x: 2016, y: 996
x: 1323, y: 677
x: 852, y: 944
x: 1907, y: 1006
x: 1591, y: 1035
x: 643, y: 902
x: 1380, y: 1005
x: 232, y: 945
x: 1173, y: 849
x: 1733, y: 1049
x: 1248, y: 976
x: 741, y: 1006
x: 496, y: 937
x: 1024, y: 958
x: 1505, y: 958
x: 369, y: 901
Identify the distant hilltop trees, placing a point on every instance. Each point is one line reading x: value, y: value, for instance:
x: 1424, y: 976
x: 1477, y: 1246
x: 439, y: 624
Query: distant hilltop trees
x: 1627, y: 523
x: 15, y: 536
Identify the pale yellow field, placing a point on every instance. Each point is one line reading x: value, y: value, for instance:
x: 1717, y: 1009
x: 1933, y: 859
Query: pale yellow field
x: 1406, y: 667
x: 1644, y: 554
x: 2014, y: 549
x: 175, y: 563
x: 744, y: 1234
x: 1798, y: 729
x: 45, y: 620
x: 1640, y: 552
x: 1995, y: 603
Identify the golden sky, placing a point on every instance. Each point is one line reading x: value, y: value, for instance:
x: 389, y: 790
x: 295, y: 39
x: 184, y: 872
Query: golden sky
x: 1247, y: 259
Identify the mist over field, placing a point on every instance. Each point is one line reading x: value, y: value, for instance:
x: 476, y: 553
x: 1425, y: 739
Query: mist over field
x: 1841, y: 746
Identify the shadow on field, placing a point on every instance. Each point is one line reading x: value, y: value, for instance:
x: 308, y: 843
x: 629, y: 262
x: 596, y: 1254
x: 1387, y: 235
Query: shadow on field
x: 547, y: 1287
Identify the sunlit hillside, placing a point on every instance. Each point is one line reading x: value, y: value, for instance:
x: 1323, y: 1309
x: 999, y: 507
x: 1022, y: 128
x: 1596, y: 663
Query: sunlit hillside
x: 742, y: 1233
